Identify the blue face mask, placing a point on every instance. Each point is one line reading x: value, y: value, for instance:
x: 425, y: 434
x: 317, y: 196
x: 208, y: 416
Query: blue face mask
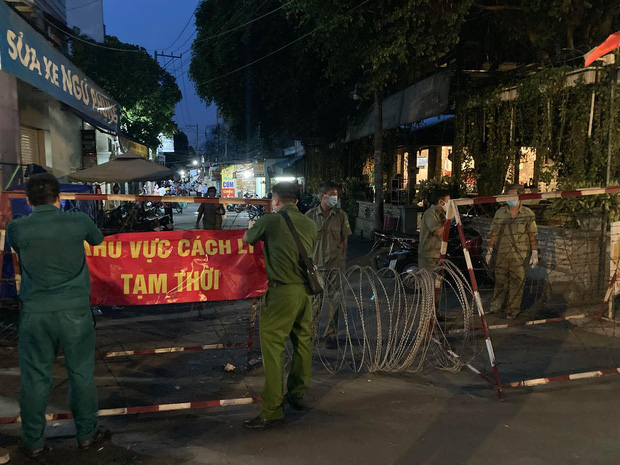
x: 512, y: 203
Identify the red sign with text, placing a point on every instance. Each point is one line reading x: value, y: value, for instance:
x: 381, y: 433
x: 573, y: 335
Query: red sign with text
x: 175, y: 266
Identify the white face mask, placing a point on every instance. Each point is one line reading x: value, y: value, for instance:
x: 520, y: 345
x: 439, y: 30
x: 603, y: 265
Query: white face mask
x: 332, y: 201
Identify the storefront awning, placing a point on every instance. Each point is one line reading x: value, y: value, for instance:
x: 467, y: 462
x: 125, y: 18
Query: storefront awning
x: 27, y: 55
x: 423, y: 100
x: 286, y: 167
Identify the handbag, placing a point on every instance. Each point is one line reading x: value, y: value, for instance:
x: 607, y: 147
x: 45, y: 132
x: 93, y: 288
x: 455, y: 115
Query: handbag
x: 315, y: 281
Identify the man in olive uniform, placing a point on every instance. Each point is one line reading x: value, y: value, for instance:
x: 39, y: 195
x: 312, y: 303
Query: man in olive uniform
x: 513, y: 236
x: 287, y: 305
x: 330, y: 250
x: 210, y: 213
x: 431, y: 230
x: 55, y: 295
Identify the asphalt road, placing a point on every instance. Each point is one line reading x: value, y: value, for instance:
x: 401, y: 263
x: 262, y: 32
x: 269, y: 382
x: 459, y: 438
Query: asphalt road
x: 428, y: 417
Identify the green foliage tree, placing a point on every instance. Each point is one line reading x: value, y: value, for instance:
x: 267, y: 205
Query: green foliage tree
x: 538, y: 31
x: 146, y: 92
x: 284, y: 95
x: 383, y: 43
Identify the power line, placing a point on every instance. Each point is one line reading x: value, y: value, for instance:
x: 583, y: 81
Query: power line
x: 64, y: 31
x: 184, y: 28
x: 244, y: 24
x: 283, y: 47
x: 82, y: 6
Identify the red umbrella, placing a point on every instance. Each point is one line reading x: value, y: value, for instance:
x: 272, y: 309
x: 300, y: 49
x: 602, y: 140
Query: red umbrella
x: 612, y: 43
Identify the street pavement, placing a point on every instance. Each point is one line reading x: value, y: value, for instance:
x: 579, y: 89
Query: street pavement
x: 428, y: 417
x: 187, y: 219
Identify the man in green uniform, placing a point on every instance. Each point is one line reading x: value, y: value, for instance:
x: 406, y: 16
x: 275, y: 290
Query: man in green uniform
x: 210, y: 213
x: 330, y: 250
x: 513, y: 236
x: 287, y: 305
x: 431, y: 230
x: 55, y: 295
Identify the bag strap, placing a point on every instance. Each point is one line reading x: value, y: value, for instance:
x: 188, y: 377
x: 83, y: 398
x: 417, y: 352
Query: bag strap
x: 302, y: 251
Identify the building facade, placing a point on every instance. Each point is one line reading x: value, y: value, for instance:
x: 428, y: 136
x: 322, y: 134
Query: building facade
x: 51, y: 113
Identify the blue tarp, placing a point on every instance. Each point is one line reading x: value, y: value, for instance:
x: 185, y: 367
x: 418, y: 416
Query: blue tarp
x: 20, y: 207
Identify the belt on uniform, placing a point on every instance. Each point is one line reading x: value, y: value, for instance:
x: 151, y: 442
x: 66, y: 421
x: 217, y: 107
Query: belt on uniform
x: 275, y: 283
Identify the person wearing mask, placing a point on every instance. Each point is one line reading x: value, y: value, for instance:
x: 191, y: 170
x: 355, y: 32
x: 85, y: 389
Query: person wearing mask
x: 210, y: 213
x: 431, y: 230
x: 330, y: 251
x: 56, y: 314
x: 513, y: 238
x: 287, y: 305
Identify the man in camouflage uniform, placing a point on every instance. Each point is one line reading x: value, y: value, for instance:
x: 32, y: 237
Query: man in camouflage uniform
x: 513, y: 237
x: 431, y: 230
x: 330, y: 251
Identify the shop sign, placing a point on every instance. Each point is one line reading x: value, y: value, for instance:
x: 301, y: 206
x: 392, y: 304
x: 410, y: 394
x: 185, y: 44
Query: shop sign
x: 129, y: 145
x: 259, y: 169
x: 229, y: 182
x: 27, y: 55
x: 89, y: 148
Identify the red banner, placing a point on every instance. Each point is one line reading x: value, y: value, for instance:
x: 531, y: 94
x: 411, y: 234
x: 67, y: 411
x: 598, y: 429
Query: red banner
x: 175, y: 266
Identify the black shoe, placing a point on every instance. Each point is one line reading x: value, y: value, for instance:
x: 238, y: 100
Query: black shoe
x: 5, y: 457
x: 100, y: 436
x: 259, y: 423
x: 331, y: 343
x: 38, y: 452
x: 296, y: 403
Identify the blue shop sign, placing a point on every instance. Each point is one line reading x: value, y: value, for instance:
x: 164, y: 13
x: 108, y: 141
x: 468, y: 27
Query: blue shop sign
x: 27, y: 55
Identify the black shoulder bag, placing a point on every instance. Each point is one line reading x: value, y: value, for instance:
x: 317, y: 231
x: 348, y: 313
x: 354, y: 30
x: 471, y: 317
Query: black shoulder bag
x: 315, y: 281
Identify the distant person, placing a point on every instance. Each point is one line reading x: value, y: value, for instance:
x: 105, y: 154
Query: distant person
x: 56, y: 314
x: 513, y: 236
x: 431, y: 230
x: 210, y: 213
x: 330, y: 250
x: 116, y: 190
x: 287, y: 306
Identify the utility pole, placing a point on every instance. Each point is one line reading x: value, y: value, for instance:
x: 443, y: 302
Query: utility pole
x: 163, y: 55
x: 378, y: 159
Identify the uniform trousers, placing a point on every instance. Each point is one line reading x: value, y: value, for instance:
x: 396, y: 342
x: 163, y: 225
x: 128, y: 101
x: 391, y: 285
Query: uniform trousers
x: 286, y: 312
x: 41, y: 335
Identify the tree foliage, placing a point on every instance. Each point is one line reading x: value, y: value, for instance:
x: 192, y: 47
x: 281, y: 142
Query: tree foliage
x: 284, y: 95
x: 146, y: 92
x: 538, y: 31
x: 382, y: 42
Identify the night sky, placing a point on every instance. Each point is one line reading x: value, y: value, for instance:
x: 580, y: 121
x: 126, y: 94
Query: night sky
x: 154, y: 25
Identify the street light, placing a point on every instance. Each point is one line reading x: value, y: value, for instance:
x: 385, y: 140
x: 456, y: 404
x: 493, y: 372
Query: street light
x: 195, y: 162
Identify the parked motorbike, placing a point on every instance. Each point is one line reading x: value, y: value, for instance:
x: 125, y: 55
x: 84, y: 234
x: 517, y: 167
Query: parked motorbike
x: 255, y: 211
x: 133, y: 217
x: 400, y: 252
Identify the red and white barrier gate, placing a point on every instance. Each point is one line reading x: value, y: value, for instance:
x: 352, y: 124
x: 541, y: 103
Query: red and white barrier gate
x: 485, y: 328
x: 5, y: 217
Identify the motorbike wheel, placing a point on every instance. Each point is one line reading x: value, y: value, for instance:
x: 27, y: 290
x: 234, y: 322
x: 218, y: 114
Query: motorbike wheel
x: 379, y: 258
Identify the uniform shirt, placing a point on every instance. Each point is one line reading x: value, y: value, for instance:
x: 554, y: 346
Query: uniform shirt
x: 50, y: 246
x: 430, y: 244
x: 211, y: 215
x: 333, y: 229
x: 282, y: 258
x: 513, y: 233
